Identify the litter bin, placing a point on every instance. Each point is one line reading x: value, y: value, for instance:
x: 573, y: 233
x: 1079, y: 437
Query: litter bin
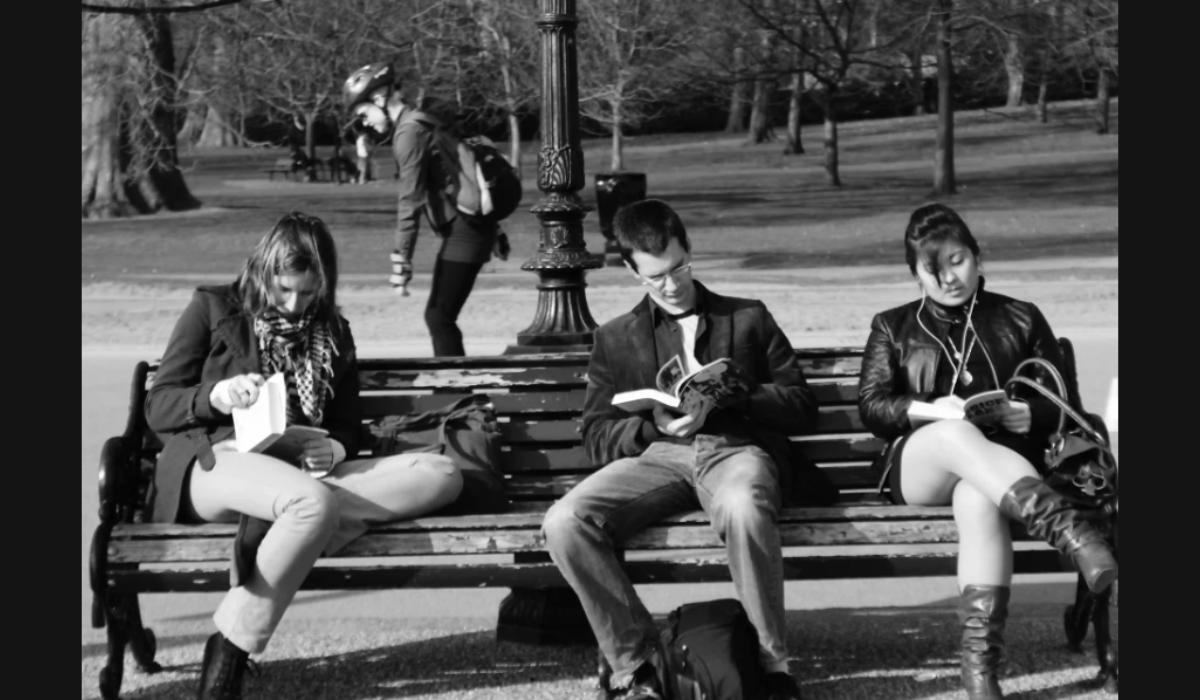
x: 613, y: 191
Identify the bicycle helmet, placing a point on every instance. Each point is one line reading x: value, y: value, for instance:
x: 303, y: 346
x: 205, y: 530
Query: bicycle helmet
x: 366, y: 80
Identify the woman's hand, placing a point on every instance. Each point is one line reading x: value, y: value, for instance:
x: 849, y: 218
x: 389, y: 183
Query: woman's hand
x: 1018, y: 419
x: 236, y: 392
x: 318, y: 454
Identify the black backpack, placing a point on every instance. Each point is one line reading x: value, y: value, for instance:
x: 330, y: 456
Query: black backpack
x: 710, y: 652
x: 499, y: 179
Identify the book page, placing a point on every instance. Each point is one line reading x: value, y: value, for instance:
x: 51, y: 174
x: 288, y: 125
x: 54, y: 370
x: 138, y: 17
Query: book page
x: 722, y: 382
x: 669, y: 376
x: 643, y: 400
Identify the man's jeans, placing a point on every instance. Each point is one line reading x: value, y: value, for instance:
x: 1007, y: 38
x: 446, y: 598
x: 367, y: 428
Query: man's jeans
x: 736, y: 484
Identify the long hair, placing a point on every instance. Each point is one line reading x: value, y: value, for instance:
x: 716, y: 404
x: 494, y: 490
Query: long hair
x: 298, y: 243
x: 929, y: 227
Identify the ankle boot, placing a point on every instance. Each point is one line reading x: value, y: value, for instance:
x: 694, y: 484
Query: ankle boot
x: 222, y: 671
x: 982, y: 611
x: 1048, y: 516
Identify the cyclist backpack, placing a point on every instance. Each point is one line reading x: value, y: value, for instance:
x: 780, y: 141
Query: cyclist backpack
x: 710, y: 652
x: 497, y: 181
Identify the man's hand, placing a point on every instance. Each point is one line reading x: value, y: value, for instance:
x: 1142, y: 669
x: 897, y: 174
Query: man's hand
x: 1018, y: 419
x: 673, y: 424
x: 402, y: 273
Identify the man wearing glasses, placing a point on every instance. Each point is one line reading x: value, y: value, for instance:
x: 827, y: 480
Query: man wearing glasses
x: 658, y: 463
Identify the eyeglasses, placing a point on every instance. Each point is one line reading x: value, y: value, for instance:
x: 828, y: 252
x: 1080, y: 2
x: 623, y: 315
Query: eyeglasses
x: 660, y: 281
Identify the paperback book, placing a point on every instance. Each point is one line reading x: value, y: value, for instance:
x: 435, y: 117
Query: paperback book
x: 718, y: 384
x: 262, y: 426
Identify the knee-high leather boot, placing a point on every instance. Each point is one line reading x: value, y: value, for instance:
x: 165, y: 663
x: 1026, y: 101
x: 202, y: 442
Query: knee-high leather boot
x: 982, y: 610
x: 1048, y: 516
x: 222, y: 671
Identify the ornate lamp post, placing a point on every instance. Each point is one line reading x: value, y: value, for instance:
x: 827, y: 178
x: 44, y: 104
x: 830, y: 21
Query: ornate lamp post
x: 562, y: 322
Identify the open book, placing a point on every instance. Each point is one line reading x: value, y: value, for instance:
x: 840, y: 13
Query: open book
x: 716, y: 385
x: 262, y: 426
x: 981, y: 409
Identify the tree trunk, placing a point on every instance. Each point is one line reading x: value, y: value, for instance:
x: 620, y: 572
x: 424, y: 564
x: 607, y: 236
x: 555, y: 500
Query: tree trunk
x: 916, y: 81
x: 1102, y: 85
x: 794, y: 146
x: 104, y: 184
x: 760, y: 118
x: 514, y: 142
x: 618, y: 147
x: 737, y: 102
x: 1014, y: 66
x: 1042, y: 107
x: 310, y: 146
x: 129, y: 159
x: 943, y: 157
x: 831, y: 140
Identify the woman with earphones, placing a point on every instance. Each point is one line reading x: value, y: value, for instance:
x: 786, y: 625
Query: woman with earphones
x: 957, y: 341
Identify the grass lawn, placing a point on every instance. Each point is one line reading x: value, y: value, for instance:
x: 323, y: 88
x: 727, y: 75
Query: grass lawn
x: 1029, y: 190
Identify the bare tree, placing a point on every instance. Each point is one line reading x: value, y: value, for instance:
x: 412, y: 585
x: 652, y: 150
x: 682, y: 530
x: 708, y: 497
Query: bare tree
x: 509, y: 47
x: 834, y: 42
x: 764, y: 83
x: 129, y: 160
x: 624, y: 46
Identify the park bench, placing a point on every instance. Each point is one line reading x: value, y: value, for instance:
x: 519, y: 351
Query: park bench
x: 539, y: 400
x: 283, y: 166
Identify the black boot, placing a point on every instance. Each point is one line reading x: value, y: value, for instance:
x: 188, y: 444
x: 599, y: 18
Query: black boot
x: 222, y: 671
x: 982, y: 610
x: 1048, y: 516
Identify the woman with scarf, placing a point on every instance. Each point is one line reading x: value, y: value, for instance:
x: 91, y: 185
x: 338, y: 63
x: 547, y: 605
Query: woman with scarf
x: 279, y: 315
x: 957, y: 341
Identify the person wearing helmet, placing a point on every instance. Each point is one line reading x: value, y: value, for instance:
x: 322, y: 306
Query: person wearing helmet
x: 431, y: 176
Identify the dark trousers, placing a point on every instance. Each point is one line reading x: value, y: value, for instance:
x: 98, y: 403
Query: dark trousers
x: 452, y: 284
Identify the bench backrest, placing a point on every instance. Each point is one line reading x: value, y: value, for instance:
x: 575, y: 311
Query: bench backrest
x: 539, y: 401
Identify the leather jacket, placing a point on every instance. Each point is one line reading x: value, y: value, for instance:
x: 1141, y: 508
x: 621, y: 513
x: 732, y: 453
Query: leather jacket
x: 900, y: 362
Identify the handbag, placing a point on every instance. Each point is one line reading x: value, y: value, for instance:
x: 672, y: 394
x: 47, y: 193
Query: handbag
x: 1078, y: 459
x: 466, y: 431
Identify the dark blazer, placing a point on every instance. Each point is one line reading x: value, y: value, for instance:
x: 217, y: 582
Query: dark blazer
x: 212, y: 341
x: 624, y: 359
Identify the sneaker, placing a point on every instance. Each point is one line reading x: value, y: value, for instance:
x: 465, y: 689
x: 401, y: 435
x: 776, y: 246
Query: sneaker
x: 782, y: 686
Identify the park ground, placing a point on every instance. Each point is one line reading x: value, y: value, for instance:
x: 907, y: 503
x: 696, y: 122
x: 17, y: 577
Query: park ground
x: 1042, y: 199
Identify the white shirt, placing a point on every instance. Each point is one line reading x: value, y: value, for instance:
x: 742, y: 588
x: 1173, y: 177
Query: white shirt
x: 688, y: 325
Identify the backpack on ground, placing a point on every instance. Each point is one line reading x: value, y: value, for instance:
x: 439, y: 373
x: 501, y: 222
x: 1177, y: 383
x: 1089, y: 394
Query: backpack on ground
x: 710, y: 652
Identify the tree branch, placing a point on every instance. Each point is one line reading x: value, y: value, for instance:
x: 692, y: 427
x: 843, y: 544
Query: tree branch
x: 128, y: 10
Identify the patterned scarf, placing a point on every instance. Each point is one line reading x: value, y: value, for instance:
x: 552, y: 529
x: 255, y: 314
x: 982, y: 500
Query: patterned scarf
x: 303, y: 351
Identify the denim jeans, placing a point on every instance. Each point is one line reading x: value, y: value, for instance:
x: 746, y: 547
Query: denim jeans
x: 736, y: 484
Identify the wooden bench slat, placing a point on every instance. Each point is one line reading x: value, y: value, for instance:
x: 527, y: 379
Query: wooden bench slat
x: 525, y: 520
x: 544, y: 378
x: 676, y: 536
x: 537, y: 575
x: 532, y: 404
x: 818, y: 449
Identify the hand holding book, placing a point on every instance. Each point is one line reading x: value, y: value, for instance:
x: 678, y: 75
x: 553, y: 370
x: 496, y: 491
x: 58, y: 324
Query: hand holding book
x: 262, y: 427
x: 984, y: 408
